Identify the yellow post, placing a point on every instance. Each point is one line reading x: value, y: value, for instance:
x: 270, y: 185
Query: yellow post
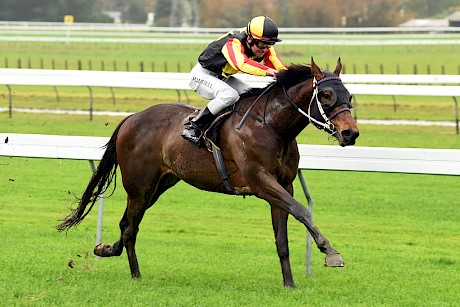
x: 68, y: 20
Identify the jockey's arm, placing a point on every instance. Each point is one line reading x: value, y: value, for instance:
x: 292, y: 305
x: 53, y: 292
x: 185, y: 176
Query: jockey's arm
x: 233, y: 51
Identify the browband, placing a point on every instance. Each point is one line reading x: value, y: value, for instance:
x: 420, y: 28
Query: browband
x: 328, y: 79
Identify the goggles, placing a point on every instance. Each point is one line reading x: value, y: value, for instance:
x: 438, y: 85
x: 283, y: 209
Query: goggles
x: 262, y: 45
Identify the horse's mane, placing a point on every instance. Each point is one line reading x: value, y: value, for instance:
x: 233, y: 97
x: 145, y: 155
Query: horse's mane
x: 295, y: 74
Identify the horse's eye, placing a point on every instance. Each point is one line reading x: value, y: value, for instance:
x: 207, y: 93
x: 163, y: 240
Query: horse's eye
x: 327, y: 95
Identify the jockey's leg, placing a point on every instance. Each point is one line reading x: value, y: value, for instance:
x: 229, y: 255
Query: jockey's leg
x: 194, y: 128
x: 225, y: 97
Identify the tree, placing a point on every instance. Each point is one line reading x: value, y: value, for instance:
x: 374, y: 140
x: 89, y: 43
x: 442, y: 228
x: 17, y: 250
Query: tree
x: 162, y: 12
x: 49, y: 10
x: 303, y: 13
x: 82, y: 10
x: 380, y: 13
x: 135, y: 13
x: 232, y: 13
x: 429, y: 8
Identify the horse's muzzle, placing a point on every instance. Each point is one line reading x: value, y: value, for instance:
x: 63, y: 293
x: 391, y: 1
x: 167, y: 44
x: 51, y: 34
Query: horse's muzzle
x: 347, y: 130
x: 348, y: 137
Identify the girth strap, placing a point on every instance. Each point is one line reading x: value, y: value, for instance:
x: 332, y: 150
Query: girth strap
x: 221, y: 169
x: 211, y: 140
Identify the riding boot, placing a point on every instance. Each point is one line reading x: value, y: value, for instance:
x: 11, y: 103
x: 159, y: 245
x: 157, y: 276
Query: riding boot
x: 194, y: 128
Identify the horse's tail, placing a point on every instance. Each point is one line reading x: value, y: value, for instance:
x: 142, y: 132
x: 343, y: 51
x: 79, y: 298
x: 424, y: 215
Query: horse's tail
x: 99, y: 183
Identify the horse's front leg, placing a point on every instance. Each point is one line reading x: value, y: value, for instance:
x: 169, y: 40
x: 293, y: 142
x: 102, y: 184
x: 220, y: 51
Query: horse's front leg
x: 270, y: 190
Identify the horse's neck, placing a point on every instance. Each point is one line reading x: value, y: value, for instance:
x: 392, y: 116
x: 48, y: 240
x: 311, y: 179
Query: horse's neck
x: 283, y: 116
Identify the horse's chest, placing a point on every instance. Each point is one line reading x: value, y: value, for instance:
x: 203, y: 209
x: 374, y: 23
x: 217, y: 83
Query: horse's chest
x: 287, y: 162
x: 287, y: 171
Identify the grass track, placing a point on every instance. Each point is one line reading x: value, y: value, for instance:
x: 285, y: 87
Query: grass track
x: 198, y: 248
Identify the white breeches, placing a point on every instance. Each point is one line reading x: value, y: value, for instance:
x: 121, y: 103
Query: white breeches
x: 222, y: 93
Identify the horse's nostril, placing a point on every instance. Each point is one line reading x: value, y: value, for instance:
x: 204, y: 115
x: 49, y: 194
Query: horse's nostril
x: 350, y: 134
x: 346, y: 134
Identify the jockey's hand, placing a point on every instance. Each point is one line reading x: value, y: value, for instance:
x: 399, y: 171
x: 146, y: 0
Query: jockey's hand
x: 272, y: 72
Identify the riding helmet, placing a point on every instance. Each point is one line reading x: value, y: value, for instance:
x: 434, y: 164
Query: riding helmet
x: 264, y: 29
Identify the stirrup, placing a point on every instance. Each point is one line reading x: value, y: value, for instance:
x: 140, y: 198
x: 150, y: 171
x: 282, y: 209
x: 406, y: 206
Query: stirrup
x: 192, y: 134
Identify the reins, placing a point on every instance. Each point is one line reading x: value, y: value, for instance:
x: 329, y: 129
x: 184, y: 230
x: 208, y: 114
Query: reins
x: 246, y: 115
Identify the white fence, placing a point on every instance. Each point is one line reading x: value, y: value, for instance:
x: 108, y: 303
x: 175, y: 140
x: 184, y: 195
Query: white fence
x: 319, y: 157
x: 358, y: 84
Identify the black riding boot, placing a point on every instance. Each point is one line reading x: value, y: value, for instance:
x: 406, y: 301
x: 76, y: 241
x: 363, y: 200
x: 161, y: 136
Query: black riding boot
x: 194, y: 128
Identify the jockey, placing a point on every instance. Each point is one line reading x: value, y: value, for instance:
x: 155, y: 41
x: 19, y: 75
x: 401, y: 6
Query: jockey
x: 249, y: 50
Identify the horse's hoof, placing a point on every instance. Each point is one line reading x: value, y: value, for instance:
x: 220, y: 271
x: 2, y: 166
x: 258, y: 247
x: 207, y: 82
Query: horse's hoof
x: 334, y: 260
x: 102, y: 250
x: 289, y: 285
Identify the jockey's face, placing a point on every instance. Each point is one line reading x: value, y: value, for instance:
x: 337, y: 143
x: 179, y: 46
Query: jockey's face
x: 258, y: 47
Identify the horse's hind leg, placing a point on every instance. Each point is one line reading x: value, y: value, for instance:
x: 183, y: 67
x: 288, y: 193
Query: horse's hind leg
x: 137, y: 206
x: 129, y: 224
x: 135, y: 212
x: 107, y: 250
x: 279, y: 221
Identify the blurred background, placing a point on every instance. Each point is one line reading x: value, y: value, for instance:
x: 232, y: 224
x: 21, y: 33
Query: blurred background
x: 232, y: 13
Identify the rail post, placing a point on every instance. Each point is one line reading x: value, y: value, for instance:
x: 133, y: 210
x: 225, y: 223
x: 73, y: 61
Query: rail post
x: 10, y: 102
x: 306, y: 191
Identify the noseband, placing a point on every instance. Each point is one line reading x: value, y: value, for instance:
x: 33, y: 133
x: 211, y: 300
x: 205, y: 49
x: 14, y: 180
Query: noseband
x: 327, y: 125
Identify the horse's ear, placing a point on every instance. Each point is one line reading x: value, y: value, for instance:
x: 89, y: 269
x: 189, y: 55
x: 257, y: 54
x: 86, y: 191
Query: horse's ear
x: 316, y: 70
x: 338, y: 68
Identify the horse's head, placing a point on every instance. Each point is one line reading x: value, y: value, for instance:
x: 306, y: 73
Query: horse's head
x: 330, y: 105
x: 319, y: 96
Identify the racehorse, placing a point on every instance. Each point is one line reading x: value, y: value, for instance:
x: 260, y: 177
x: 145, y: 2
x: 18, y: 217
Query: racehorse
x: 260, y: 154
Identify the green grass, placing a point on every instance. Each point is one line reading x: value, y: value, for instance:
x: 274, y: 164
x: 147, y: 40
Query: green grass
x: 421, y: 59
x: 396, y: 232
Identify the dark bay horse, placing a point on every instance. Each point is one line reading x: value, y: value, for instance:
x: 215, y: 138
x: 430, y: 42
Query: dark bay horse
x: 261, y: 158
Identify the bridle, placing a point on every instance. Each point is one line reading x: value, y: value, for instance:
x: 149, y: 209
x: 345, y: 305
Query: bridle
x: 326, y: 124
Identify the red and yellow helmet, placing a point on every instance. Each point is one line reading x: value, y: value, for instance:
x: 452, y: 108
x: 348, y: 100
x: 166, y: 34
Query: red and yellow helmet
x: 264, y: 29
